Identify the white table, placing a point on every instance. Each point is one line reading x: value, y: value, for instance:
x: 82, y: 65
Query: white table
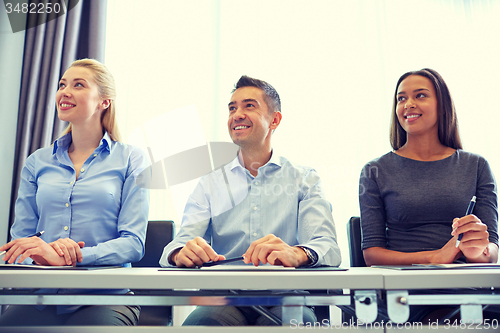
x: 365, y: 282
x: 170, y: 287
x: 398, y: 284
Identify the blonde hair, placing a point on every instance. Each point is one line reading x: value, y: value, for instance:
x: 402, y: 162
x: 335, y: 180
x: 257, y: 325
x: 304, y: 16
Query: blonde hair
x: 107, y: 90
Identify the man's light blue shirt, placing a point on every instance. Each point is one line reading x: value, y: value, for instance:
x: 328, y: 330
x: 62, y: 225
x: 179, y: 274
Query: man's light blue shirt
x: 230, y: 209
x: 104, y: 207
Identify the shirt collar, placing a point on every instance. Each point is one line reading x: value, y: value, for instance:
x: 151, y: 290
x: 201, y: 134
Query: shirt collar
x: 238, y: 161
x: 106, y: 142
x: 64, y: 142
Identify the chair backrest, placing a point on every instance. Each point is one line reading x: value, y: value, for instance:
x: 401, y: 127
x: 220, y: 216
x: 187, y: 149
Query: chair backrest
x: 355, y: 238
x: 158, y: 235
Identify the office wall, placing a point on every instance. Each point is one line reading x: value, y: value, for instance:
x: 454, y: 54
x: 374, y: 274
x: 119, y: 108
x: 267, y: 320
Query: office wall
x: 11, y: 57
x: 334, y: 63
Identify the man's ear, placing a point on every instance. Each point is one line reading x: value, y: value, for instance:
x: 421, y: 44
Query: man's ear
x: 276, y: 120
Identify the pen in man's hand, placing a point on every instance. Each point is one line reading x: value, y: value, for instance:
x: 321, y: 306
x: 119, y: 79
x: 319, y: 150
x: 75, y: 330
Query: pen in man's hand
x: 469, y: 211
x: 221, y: 262
x: 38, y: 234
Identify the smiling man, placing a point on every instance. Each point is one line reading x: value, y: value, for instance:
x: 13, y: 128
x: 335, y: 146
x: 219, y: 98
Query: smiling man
x: 259, y: 206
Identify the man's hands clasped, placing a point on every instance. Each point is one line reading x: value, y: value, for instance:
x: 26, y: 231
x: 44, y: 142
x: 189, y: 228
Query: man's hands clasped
x: 269, y: 249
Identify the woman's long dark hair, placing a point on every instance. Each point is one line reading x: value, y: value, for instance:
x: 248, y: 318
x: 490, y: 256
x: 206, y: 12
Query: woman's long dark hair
x: 447, y: 116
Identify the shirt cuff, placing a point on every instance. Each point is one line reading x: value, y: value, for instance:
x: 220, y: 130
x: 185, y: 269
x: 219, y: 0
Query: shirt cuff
x: 311, y: 255
x: 89, y: 257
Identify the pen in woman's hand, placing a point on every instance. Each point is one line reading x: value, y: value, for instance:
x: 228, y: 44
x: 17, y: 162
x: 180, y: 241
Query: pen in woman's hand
x: 38, y: 234
x: 470, y: 208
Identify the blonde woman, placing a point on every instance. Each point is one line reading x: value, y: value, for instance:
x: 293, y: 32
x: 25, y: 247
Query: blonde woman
x: 82, y: 192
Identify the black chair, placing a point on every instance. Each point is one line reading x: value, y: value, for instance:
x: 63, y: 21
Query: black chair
x: 355, y: 237
x: 159, y: 234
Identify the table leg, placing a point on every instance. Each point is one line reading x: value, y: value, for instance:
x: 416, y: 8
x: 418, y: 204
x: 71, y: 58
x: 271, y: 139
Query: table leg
x: 471, y: 313
x: 397, y: 305
x: 365, y: 303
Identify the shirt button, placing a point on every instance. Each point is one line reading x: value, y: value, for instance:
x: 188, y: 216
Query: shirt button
x: 67, y: 204
x: 255, y: 234
x: 256, y: 183
x: 71, y: 183
x: 66, y: 228
x: 95, y: 155
x: 82, y: 170
x: 255, y: 208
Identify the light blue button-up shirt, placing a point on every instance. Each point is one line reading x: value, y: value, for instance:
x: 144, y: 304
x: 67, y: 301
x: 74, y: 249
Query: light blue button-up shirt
x: 230, y: 209
x: 104, y: 207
